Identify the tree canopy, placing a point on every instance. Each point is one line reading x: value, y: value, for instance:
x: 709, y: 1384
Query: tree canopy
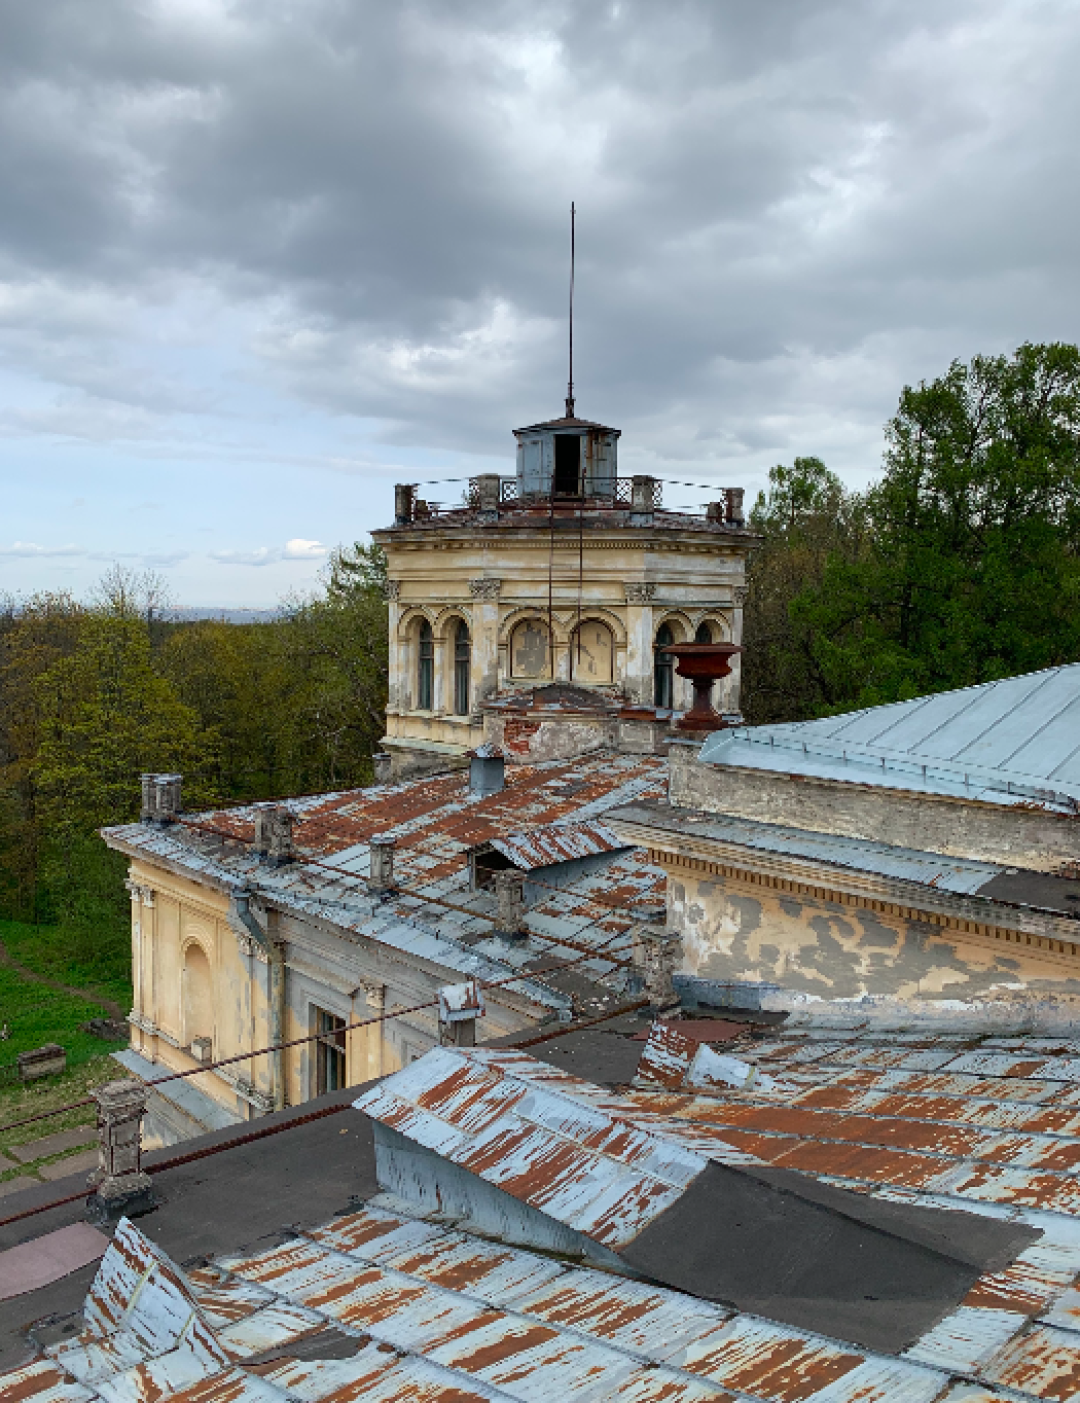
x: 961, y: 565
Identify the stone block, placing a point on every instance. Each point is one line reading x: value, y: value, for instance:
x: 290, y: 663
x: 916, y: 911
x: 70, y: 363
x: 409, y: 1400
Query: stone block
x: 46, y: 1061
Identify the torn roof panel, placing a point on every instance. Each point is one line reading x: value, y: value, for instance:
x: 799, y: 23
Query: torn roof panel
x: 555, y: 843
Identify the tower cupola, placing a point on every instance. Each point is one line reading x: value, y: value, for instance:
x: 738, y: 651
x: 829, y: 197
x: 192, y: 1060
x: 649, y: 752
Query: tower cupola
x: 567, y: 457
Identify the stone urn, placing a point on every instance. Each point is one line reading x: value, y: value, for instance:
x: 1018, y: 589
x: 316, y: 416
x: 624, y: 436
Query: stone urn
x: 703, y: 664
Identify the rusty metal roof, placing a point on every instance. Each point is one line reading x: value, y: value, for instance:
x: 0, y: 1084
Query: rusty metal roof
x: 563, y: 842
x: 551, y: 1140
x: 380, y: 1304
x: 435, y: 822
x: 391, y: 1303
x: 989, y: 1124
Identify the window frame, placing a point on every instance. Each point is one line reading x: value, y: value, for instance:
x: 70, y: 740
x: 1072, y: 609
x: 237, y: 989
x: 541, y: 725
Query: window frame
x: 331, y: 1060
x: 462, y: 668
x: 425, y: 666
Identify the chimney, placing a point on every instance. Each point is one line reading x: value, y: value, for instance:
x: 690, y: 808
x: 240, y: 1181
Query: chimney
x: 460, y: 1005
x: 657, y: 954
x: 381, y: 879
x: 120, y: 1185
x: 404, y: 503
x: 642, y: 498
x: 510, y: 893
x: 274, y: 834
x: 487, y: 770
x: 383, y: 764
x: 716, y: 513
x: 487, y: 493
x: 161, y: 798
x: 733, y: 499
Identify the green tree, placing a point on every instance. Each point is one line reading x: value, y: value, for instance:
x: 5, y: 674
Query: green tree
x: 106, y: 716
x: 336, y: 651
x: 974, y: 570
x: 805, y: 519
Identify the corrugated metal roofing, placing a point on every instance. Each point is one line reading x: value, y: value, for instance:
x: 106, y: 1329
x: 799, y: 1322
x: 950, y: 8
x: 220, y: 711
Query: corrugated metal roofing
x: 1012, y: 741
x: 464, y: 1319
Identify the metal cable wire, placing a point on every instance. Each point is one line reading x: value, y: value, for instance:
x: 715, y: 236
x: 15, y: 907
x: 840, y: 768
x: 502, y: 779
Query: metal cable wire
x: 312, y: 1037
x: 261, y: 1132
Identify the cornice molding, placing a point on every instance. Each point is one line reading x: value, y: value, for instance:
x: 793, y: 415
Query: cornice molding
x: 890, y: 896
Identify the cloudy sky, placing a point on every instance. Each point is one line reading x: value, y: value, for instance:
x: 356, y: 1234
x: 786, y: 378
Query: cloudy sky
x: 260, y: 260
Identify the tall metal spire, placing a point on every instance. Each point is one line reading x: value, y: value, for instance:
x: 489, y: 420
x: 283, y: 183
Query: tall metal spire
x: 570, y: 382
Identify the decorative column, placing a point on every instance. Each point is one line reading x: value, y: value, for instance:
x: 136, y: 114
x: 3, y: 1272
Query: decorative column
x: 485, y: 640
x: 731, y: 687
x: 397, y: 688
x: 375, y: 999
x: 121, y: 1189
x: 639, y: 641
x: 135, y: 892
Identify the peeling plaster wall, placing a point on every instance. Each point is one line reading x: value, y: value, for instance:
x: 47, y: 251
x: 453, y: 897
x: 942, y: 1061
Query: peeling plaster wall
x: 1012, y: 834
x: 736, y: 934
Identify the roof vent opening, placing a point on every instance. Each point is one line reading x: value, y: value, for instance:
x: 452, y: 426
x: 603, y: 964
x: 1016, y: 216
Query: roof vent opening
x: 487, y: 771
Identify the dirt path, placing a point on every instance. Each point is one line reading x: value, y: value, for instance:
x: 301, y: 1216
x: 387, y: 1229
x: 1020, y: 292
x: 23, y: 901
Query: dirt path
x: 111, y: 1007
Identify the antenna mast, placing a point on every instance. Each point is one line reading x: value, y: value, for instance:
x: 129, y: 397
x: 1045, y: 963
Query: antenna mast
x: 570, y: 382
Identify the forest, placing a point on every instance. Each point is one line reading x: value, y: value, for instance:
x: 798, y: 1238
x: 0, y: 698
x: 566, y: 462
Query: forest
x: 957, y: 565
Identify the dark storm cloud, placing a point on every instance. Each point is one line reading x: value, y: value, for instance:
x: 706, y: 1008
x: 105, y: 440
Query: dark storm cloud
x: 785, y: 209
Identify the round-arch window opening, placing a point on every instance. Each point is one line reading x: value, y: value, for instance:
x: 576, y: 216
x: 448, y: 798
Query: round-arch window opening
x: 529, y: 649
x: 462, y: 651
x: 425, y: 666
x: 592, y: 652
x: 664, y: 669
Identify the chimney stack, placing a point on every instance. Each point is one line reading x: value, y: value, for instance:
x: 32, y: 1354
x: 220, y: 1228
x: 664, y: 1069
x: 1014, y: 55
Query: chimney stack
x: 381, y: 879
x: 274, y: 834
x: 460, y: 1005
x: 161, y: 798
x: 487, y: 770
x: 510, y: 894
x: 733, y: 499
x: 404, y: 503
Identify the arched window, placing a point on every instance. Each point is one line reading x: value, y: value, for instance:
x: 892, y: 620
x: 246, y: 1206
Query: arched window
x: 198, y: 992
x: 592, y: 652
x: 462, y: 651
x: 664, y: 669
x: 425, y: 666
x: 704, y: 633
x: 529, y: 649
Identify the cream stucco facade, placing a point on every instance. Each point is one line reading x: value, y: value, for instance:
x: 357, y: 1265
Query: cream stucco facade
x: 515, y: 589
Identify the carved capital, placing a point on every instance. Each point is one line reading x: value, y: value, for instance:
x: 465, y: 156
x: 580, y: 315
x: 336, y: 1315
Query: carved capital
x: 374, y: 994
x: 486, y: 588
x: 392, y: 590
x: 740, y: 593
x: 640, y: 591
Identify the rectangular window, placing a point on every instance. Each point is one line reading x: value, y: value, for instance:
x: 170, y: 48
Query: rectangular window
x: 329, y: 1052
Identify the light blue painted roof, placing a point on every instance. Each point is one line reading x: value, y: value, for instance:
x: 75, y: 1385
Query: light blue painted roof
x: 1013, y: 741
x: 962, y: 875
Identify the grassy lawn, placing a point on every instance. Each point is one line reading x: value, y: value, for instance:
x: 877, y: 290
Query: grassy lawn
x: 36, y: 1014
